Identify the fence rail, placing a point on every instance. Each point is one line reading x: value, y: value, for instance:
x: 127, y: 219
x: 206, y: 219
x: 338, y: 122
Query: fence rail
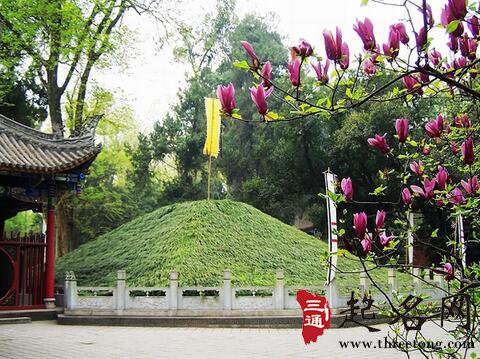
x: 224, y: 298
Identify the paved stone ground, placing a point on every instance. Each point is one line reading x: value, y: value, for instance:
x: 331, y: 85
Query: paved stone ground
x: 46, y: 339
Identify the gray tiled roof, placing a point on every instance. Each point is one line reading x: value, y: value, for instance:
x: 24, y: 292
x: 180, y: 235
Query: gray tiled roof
x: 23, y: 149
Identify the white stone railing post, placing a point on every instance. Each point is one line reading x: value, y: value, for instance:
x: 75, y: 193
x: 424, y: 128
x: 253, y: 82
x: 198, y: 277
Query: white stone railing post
x: 392, y: 280
x: 279, y: 292
x: 173, y: 292
x: 227, y: 290
x: 70, y: 291
x: 121, y: 292
x: 417, y: 282
x: 364, y: 283
x: 332, y: 294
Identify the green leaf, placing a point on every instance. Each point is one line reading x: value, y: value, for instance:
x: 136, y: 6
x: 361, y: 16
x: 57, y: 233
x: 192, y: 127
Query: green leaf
x: 381, y: 58
x: 434, y: 234
x: 342, y: 252
x: 452, y: 26
x: 348, y: 93
x: 272, y: 116
x: 241, y: 65
x: 364, y: 2
x: 379, y: 190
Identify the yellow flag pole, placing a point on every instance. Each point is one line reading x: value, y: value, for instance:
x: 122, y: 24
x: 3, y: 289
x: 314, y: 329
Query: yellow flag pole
x: 212, y: 143
x: 209, y: 176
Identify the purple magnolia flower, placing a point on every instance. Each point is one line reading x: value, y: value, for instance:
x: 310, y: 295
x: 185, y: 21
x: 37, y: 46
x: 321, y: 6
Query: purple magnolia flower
x: 456, y: 197
x: 421, y: 38
x: 402, y: 32
x: 427, y: 190
x: 468, y: 47
x: 452, y: 43
x: 379, y: 142
x: 322, y: 71
x: 462, y: 121
x: 424, y: 77
x: 412, y: 84
x: 226, y: 95
x: 434, y: 128
x: 401, y: 126
x: 259, y: 97
x: 459, y: 63
x: 440, y: 202
x: 435, y: 57
x: 380, y: 219
x: 454, y: 10
x: 471, y: 186
x: 392, y: 47
x: 474, y: 25
x: 345, y: 61
x: 417, y: 168
x: 441, y: 177
x: 347, y: 188
x: 294, y: 70
x: 255, y: 64
x: 267, y: 74
x: 304, y: 49
x: 360, y: 224
x: 450, y: 274
x: 467, y: 151
x: 429, y: 16
x: 369, y: 67
x: 406, y: 196
x: 366, y: 243
x: 426, y: 150
x: 385, y: 240
x: 454, y: 148
x: 333, y: 46
x: 457, y: 9
x: 365, y: 31
x: 336, y: 49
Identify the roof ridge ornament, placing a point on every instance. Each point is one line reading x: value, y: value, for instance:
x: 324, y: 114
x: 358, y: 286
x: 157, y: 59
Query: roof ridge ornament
x: 89, y: 127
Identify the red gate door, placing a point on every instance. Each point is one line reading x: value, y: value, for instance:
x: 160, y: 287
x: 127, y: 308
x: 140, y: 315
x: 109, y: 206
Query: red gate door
x: 22, y: 272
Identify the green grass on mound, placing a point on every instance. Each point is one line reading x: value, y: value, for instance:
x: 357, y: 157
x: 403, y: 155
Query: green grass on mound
x: 200, y: 239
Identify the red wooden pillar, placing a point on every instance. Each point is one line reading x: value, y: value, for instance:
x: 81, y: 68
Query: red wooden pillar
x: 50, y: 257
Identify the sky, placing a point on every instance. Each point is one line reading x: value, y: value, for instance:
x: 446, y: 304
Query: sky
x: 151, y: 82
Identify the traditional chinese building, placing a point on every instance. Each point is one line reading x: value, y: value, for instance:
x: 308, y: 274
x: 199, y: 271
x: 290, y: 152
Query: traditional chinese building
x: 35, y: 169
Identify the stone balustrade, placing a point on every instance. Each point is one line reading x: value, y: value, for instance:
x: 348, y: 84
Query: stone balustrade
x: 228, y: 297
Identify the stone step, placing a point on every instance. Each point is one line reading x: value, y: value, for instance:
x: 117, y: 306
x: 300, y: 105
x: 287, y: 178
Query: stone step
x: 170, y: 321
x: 205, y: 322
x: 33, y: 314
x: 17, y: 320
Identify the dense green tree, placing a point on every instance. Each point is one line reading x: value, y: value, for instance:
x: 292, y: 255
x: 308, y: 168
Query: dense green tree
x: 59, y: 42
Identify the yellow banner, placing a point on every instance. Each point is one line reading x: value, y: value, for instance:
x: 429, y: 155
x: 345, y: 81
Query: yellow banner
x: 212, y: 144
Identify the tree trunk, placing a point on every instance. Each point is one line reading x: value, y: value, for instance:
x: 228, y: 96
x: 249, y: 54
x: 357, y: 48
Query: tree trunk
x: 55, y: 110
x: 82, y: 92
x: 64, y: 224
x: 54, y: 102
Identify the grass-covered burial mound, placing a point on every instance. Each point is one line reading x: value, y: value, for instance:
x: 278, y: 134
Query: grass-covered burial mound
x: 200, y: 239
